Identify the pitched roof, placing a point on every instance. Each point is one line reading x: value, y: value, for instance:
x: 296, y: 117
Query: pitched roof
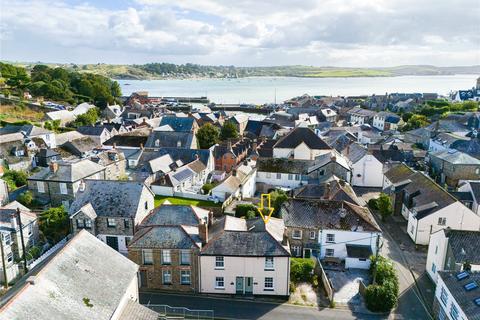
x: 135, y: 311
x: 158, y: 139
x: 327, y: 214
x: 282, y: 165
x: 91, y: 130
x: 252, y: 238
x: 175, y: 215
x: 339, y: 191
x: 464, y: 245
x: 110, y: 198
x: 164, y: 237
x: 61, y: 138
x: 299, y: 135
x: 69, y: 171
x: 399, y: 173
x: 455, y: 157
x: 85, y: 268
x: 178, y: 124
x: 464, y: 298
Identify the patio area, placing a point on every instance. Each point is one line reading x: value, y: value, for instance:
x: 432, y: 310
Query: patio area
x: 346, y: 283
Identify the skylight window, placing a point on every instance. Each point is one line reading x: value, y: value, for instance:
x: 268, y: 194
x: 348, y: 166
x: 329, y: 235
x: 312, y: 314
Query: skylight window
x: 462, y: 275
x: 477, y: 301
x: 470, y: 286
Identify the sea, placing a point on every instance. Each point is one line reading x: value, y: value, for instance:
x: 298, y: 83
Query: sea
x: 260, y: 90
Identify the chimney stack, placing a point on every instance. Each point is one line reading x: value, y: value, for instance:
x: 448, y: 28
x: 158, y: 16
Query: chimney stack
x: 203, y: 231
x: 326, y: 192
x: 53, y: 166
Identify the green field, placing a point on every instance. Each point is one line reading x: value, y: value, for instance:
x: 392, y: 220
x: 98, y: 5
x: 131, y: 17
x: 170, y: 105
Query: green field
x: 183, y: 201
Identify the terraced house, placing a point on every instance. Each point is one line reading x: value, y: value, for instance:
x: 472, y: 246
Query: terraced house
x: 167, y: 247
x: 111, y: 210
x: 59, y: 183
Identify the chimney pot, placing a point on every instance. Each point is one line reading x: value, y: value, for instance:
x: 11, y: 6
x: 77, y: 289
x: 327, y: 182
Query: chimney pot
x: 53, y: 166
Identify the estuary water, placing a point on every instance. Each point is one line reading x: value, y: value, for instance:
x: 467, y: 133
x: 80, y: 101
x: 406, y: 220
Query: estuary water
x: 259, y: 90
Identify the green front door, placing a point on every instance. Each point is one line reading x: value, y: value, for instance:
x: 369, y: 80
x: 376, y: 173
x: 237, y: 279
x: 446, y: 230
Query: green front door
x: 239, y: 285
x: 248, y: 285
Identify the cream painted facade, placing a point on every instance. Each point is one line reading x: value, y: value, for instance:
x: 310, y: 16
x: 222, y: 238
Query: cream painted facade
x: 245, y: 267
x: 300, y: 152
x: 457, y: 217
x: 367, y: 172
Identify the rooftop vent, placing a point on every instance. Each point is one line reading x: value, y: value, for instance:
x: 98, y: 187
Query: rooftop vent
x: 477, y: 301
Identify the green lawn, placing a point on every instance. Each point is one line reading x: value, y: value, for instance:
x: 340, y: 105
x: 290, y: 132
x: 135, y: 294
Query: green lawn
x: 174, y: 200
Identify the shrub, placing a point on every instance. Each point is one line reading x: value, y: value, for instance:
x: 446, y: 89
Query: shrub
x: 26, y: 198
x: 382, y: 296
x: 277, y: 198
x: 15, y: 179
x: 245, y: 210
x: 54, y: 224
x: 384, y: 204
x: 207, y: 187
x: 301, y: 270
x: 372, y: 204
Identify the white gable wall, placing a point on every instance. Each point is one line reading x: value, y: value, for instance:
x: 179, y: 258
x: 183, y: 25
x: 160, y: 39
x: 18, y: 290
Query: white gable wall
x: 458, y: 217
x: 367, y: 172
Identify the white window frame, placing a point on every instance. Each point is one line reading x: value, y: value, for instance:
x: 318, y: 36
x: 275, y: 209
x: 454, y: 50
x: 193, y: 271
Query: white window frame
x: 111, y: 223
x: 88, y: 224
x: 443, y: 296
x: 269, y: 263
x: 41, y: 186
x: 296, y: 250
x: 219, y: 262
x: 219, y: 283
x: 330, y: 238
x: 442, y: 221
x: 147, y: 253
x: 63, y: 188
x: 185, y: 254
x: 268, y: 284
x: 329, y: 252
x: 7, y: 239
x: 169, y: 273
x: 166, y: 256
x: 185, y: 274
x: 9, y: 257
x: 313, y: 235
x: 294, y: 232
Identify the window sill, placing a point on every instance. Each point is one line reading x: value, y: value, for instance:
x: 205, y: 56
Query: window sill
x: 219, y: 268
x: 270, y: 290
x: 166, y: 264
x: 185, y: 284
x: 185, y: 264
x: 269, y: 269
x: 167, y: 284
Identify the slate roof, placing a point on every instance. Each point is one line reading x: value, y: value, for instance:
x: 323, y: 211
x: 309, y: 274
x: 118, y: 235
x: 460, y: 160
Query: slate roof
x: 282, y: 165
x: 130, y: 139
x: 85, y: 268
x: 426, y: 196
x: 135, y: 311
x: 265, y: 149
x: 358, y: 251
x: 110, y: 198
x: 175, y: 215
x: 464, y: 298
x: 455, y: 157
x: 299, y: 135
x: 69, y: 171
x: 475, y: 185
x: 464, y: 245
x: 169, y: 139
x: 399, y: 173
x: 29, y: 130
x: 164, y: 237
x: 185, y: 155
x: 330, y: 157
x: 178, y: 124
x: 327, y: 214
x: 256, y: 240
x: 80, y: 146
x: 470, y: 147
x: 339, y: 191
x: 91, y: 130
x: 61, y: 138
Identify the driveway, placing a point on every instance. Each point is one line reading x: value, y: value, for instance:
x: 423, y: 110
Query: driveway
x: 346, y: 284
x: 228, y: 308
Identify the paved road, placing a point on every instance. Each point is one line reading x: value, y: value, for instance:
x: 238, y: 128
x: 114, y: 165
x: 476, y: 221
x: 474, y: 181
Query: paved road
x: 410, y: 304
x: 242, y: 309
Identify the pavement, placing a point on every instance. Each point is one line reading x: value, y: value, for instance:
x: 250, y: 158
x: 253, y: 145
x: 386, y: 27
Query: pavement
x: 231, y: 308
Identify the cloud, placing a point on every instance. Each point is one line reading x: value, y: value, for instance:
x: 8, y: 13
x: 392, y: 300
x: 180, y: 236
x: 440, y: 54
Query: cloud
x: 244, y: 32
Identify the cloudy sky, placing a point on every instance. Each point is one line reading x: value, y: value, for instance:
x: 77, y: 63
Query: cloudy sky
x: 243, y: 32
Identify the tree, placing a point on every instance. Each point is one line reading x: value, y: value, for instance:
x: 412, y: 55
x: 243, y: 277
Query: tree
x: 382, y: 295
x: 384, y: 205
x: 301, y: 270
x: 89, y: 118
x: 207, y: 136
x: 415, y: 121
x: 15, y: 179
x: 54, y: 224
x: 246, y: 210
x: 229, y: 131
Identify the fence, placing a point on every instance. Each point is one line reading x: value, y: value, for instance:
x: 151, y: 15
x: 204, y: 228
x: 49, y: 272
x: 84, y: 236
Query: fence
x: 181, y: 312
x: 325, y: 281
x: 47, y: 253
x: 361, y: 288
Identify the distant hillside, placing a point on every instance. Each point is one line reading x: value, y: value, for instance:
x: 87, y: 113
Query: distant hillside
x: 169, y: 71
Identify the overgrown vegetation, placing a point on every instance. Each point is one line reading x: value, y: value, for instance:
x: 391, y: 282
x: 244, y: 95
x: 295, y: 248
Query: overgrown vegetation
x: 383, y: 204
x: 60, y: 84
x: 382, y: 295
x: 246, y: 210
x: 277, y: 198
x: 26, y: 198
x: 54, y: 224
x: 15, y: 179
x: 301, y: 270
x: 89, y: 118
